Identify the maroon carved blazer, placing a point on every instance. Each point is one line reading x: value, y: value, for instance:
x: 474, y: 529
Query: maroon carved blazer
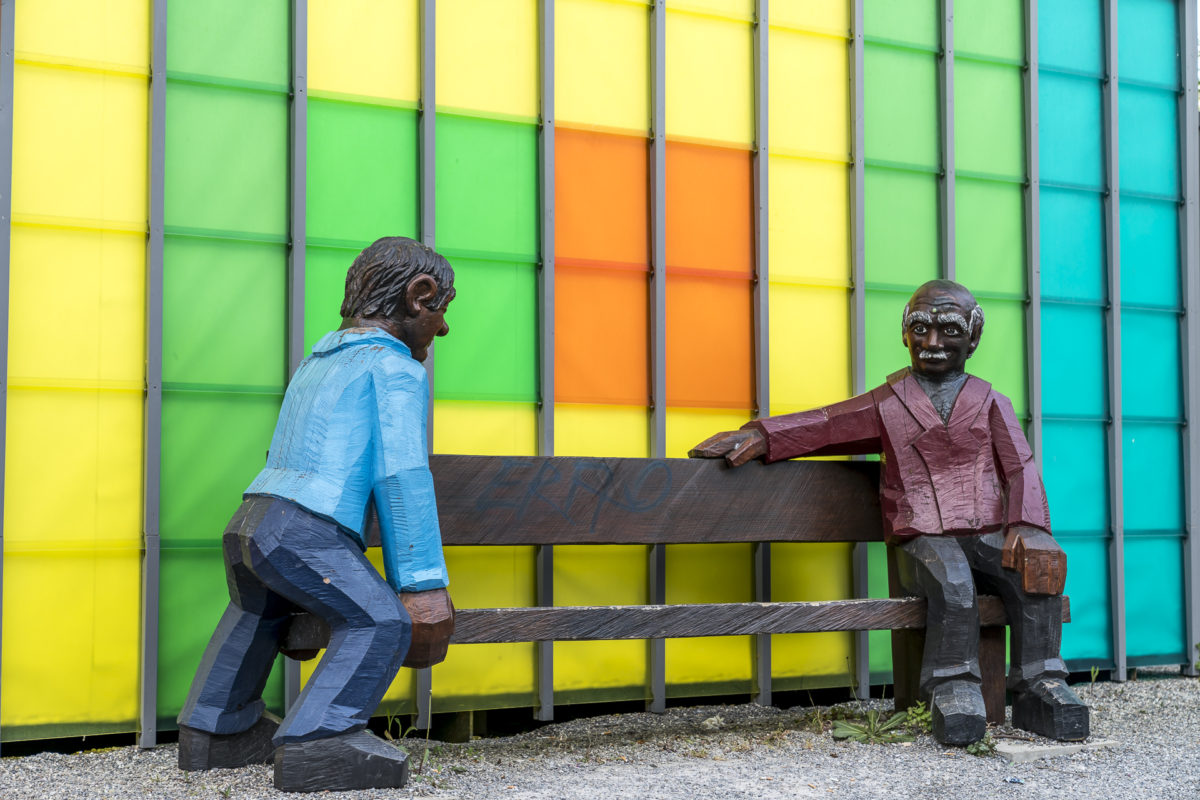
x: 973, y: 474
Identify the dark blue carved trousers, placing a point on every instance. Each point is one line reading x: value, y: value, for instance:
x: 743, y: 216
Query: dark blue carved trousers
x: 280, y: 559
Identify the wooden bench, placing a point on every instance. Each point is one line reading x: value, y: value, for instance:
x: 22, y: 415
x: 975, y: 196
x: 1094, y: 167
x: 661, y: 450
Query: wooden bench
x: 542, y: 501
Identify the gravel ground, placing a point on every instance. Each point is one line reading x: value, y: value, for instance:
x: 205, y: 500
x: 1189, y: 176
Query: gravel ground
x: 712, y: 751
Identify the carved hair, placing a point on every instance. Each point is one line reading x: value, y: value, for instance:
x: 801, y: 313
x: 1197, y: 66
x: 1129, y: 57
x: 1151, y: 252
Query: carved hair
x: 378, y: 278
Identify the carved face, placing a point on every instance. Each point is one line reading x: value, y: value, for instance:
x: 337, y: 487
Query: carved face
x: 419, y: 329
x: 938, y: 331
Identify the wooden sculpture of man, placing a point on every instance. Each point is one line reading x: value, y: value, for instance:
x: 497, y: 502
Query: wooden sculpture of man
x: 351, y: 432
x: 962, y: 504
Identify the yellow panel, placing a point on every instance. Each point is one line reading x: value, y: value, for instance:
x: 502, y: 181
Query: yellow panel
x: 809, y: 220
x: 484, y: 429
x: 112, y: 32
x: 598, y: 430
x: 97, y: 282
x: 370, y: 48
x: 81, y: 137
x: 830, y: 16
x: 738, y: 9
x: 710, y: 79
x: 78, y: 453
x: 487, y: 56
x: 810, y: 346
x: 687, y: 427
x: 803, y: 573
x: 709, y: 573
x: 810, y: 94
x: 602, y: 63
x: 71, y: 637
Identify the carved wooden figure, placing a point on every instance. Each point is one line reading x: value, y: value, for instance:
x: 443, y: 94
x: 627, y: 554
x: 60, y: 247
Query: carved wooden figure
x: 962, y: 504
x: 351, y: 436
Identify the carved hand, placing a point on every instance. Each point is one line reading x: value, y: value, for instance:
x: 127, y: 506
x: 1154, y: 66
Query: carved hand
x: 737, y: 447
x: 1034, y: 554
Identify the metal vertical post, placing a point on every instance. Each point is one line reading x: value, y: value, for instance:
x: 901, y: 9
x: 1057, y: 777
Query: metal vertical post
x: 152, y: 440
x: 860, y: 566
x: 1190, y: 251
x: 1112, y: 209
x: 298, y: 180
x: 545, y: 553
x: 427, y: 138
x: 658, y: 323
x: 1033, y: 232
x: 947, y: 131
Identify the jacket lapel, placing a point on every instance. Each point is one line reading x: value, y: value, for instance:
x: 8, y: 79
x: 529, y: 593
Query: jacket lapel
x: 971, y: 398
x: 910, y: 393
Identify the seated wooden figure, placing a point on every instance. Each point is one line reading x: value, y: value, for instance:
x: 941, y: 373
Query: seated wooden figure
x: 351, y: 433
x: 964, y: 507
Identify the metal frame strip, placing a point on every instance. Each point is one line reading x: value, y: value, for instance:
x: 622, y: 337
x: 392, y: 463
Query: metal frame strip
x: 947, y: 131
x: 1113, y: 314
x: 152, y: 444
x: 1033, y: 233
x: 544, y: 711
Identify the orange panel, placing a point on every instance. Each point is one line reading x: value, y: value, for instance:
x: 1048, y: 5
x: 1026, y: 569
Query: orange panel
x: 601, y: 198
x: 709, y: 209
x: 709, y: 350
x: 601, y: 352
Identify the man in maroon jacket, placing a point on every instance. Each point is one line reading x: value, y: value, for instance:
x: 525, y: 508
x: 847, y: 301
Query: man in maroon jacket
x: 962, y: 503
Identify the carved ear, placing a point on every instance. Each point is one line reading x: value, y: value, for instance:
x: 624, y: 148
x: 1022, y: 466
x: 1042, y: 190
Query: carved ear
x: 420, y: 294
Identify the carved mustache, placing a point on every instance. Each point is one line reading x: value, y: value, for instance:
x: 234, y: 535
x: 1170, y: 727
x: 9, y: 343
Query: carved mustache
x: 933, y: 355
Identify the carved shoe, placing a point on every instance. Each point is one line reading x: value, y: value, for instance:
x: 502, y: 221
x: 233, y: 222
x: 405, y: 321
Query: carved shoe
x: 202, y: 750
x: 1049, y: 708
x: 355, y: 760
x: 959, y: 717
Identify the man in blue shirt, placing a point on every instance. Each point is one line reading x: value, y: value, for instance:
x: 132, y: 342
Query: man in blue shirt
x: 351, y: 432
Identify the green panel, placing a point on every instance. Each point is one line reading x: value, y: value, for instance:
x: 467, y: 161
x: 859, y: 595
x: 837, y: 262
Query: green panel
x: 491, y: 352
x: 193, y: 597
x: 487, y: 192
x: 1000, y: 358
x: 901, y: 102
x: 324, y: 287
x: 362, y: 172
x: 880, y: 642
x: 227, y: 160
x: 989, y: 119
x: 885, y: 351
x: 1075, y: 469
x: 1089, y: 634
x: 902, y: 227
x: 231, y: 39
x: 989, y: 242
x: 213, y: 445
x: 225, y: 322
x: 1154, y: 596
x: 912, y: 21
x: 993, y: 28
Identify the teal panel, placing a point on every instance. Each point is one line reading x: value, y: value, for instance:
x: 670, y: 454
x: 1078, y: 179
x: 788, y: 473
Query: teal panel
x: 1070, y: 131
x: 1071, y: 35
x: 231, y: 39
x: 362, y: 172
x: 901, y: 106
x: 1000, y: 358
x: 989, y: 119
x: 1149, y: 140
x: 225, y: 322
x: 491, y: 352
x: 1154, y: 596
x: 1150, y: 264
x: 226, y: 163
x: 885, y: 351
x: 487, y: 191
x: 324, y: 287
x: 1089, y: 634
x: 989, y: 241
x: 1150, y: 364
x: 993, y: 28
x: 1073, y: 245
x: 1073, y: 376
x: 912, y: 21
x: 1152, y: 469
x: 212, y: 447
x: 1147, y: 41
x: 1074, y: 459
x: 902, y: 227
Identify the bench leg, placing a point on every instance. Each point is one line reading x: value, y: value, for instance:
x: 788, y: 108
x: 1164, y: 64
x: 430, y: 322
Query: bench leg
x: 908, y: 646
x: 992, y: 641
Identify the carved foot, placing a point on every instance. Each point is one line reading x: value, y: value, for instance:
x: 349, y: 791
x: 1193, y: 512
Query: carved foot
x: 959, y: 716
x: 1049, y: 708
x: 356, y: 760
x: 202, y: 750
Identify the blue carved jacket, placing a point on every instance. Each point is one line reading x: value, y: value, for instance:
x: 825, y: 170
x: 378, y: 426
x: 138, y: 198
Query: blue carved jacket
x: 352, y: 431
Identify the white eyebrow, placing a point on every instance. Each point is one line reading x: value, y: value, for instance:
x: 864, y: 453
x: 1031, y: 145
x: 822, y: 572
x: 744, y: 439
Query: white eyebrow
x: 957, y: 319
x: 918, y: 316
